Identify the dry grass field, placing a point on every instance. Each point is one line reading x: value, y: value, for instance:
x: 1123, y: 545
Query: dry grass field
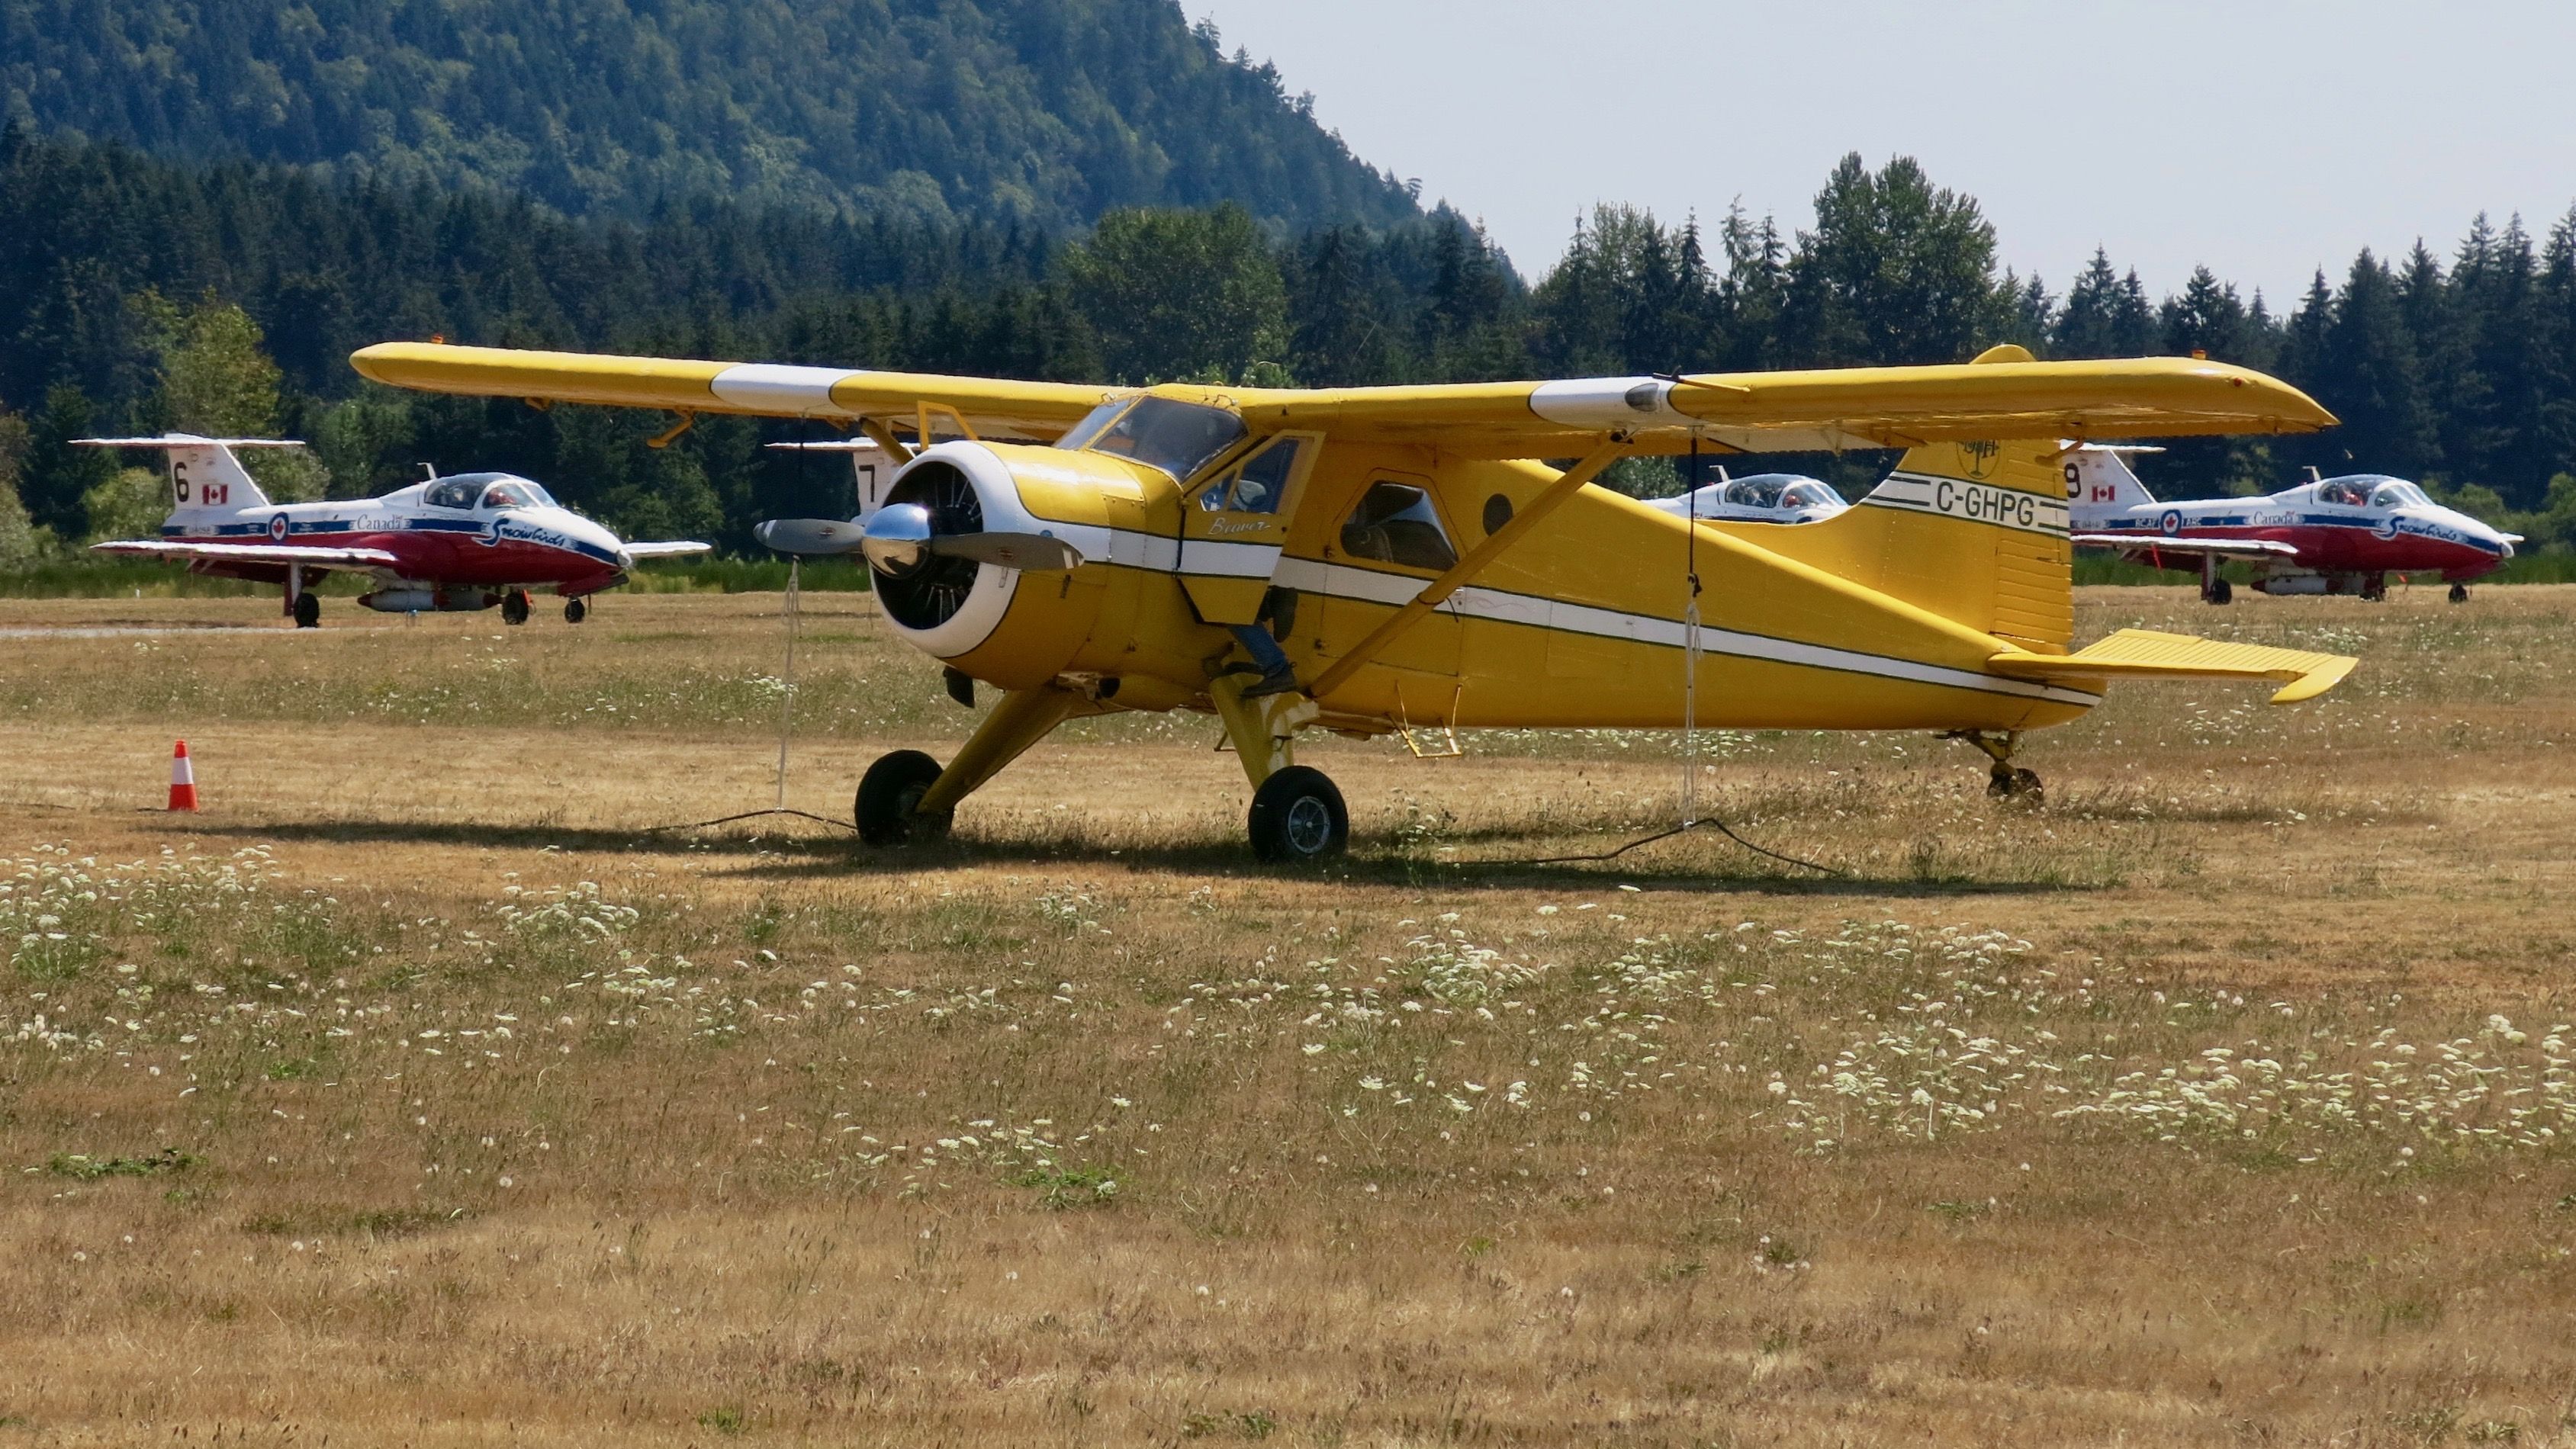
x: 413, y: 1093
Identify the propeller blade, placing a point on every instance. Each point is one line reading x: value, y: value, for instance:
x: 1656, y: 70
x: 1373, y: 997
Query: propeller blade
x: 1010, y: 550
x: 810, y: 537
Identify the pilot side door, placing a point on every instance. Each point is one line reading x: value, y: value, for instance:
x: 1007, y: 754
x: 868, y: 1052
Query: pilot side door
x: 1234, y: 525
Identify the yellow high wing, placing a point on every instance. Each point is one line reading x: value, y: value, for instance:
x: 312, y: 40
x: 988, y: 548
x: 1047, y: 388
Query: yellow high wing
x: 1759, y: 412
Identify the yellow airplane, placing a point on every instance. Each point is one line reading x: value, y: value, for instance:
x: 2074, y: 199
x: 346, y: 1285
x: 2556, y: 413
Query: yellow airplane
x: 1389, y: 559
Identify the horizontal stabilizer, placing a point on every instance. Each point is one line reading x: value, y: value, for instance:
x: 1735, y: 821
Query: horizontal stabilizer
x: 2189, y: 547
x: 259, y: 553
x: 2147, y: 654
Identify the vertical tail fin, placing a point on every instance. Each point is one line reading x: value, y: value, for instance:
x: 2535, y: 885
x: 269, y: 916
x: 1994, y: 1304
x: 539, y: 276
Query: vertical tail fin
x: 2102, y: 478
x: 205, y: 477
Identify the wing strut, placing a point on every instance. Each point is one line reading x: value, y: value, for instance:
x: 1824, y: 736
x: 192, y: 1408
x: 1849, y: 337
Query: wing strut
x: 1465, y: 569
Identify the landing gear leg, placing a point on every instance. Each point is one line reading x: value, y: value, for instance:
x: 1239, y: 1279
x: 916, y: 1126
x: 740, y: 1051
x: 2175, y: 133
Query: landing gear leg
x: 2004, y: 781
x: 2459, y: 593
x: 907, y: 797
x: 576, y: 610
x: 514, y: 607
x: 2374, y: 587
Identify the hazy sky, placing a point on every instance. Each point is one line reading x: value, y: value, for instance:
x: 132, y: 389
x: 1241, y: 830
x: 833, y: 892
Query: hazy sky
x: 2264, y: 139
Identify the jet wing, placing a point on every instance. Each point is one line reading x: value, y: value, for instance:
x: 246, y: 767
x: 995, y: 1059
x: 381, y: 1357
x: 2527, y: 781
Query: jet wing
x: 1861, y: 407
x: 2147, y: 654
x: 2189, y: 547
x: 261, y: 553
x: 666, y: 550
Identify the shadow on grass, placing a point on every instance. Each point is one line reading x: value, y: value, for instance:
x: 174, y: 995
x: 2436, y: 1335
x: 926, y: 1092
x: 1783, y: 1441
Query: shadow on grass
x: 782, y: 856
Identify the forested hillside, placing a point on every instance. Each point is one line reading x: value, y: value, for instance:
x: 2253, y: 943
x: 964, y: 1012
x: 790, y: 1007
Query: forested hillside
x: 142, y: 293
x: 1047, y: 112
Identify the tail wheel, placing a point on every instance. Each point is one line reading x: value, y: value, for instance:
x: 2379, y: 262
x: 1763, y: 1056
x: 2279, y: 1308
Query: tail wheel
x: 1298, y: 816
x: 575, y: 610
x: 514, y: 607
x: 887, y: 810
x: 2007, y: 782
x: 308, y: 611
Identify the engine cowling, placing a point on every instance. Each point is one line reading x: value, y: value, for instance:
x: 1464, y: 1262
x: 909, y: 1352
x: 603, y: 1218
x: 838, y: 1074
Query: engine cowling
x: 972, y: 534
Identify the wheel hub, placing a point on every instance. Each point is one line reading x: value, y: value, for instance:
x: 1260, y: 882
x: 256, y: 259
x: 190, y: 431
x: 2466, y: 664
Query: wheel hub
x: 1310, y: 825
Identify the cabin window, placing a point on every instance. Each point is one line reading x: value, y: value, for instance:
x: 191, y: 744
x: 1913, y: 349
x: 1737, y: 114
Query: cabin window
x: 2335, y: 490
x: 1177, y: 437
x: 454, y: 493
x: 1259, y: 484
x: 1396, y: 524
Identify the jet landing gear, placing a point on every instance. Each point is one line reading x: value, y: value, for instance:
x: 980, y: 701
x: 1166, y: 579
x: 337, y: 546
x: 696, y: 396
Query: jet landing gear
x: 515, y: 607
x: 575, y: 610
x: 2004, y: 780
x: 308, y: 611
x: 2459, y: 593
x: 2213, y: 589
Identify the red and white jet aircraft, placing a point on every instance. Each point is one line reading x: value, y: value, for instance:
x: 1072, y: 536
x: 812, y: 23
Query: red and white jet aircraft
x: 451, y: 544
x: 2327, y: 536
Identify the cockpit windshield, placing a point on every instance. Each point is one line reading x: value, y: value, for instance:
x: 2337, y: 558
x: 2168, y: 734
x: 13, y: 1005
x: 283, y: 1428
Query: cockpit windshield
x: 2395, y: 494
x: 1808, y: 493
x: 1092, y: 422
x: 518, y: 493
x: 1179, y: 438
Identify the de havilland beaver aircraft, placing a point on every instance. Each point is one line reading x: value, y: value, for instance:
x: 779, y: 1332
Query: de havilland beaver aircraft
x: 1375, y: 560
x: 2327, y: 536
x: 450, y: 544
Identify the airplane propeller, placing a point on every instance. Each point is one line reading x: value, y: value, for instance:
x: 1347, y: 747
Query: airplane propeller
x: 900, y: 537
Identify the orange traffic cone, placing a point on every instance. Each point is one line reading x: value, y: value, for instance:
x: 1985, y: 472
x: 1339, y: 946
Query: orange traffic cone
x: 183, y: 780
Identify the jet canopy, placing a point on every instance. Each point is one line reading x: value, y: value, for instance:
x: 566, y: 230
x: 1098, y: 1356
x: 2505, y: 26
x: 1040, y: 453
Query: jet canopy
x: 1760, y: 498
x: 489, y: 492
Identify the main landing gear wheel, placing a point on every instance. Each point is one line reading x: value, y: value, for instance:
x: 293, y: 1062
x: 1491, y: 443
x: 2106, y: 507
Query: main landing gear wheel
x: 2459, y: 593
x: 308, y: 611
x: 575, y: 611
x: 514, y: 607
x: 887, y: 811
x: 1298, y: 816
x: 2374, y: 589
x: 2219, y: 592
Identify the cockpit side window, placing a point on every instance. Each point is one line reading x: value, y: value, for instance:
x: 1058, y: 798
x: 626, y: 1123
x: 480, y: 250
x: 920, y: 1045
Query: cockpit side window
x: 1754, y: 493
x: 452, y: 494
x: 1396, y: 524
x: 1177, y: 437
x: 2337, y: 491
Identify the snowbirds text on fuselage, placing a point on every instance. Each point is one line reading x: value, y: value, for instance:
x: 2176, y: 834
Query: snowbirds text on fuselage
x: 1414, y: 560
x: 1756, y: 498
x: 459, y: 543
x: 2341, y: 535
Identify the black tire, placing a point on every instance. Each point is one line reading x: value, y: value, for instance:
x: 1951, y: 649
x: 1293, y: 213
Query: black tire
x: 2459, y: 593
x: 575, y: 610
x: 2006, y: 782
x: 2222, y: 592
x: 514, y: 607
x: 308, y: 611
x: 889, y: 793
x: 1297, y: 816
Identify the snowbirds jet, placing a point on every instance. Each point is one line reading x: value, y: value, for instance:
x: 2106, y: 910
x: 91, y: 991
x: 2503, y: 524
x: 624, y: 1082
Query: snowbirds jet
x: 1412, y: 561
x: 1756, y: 498
x: 2327, y: 536
x: 450, y: 544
